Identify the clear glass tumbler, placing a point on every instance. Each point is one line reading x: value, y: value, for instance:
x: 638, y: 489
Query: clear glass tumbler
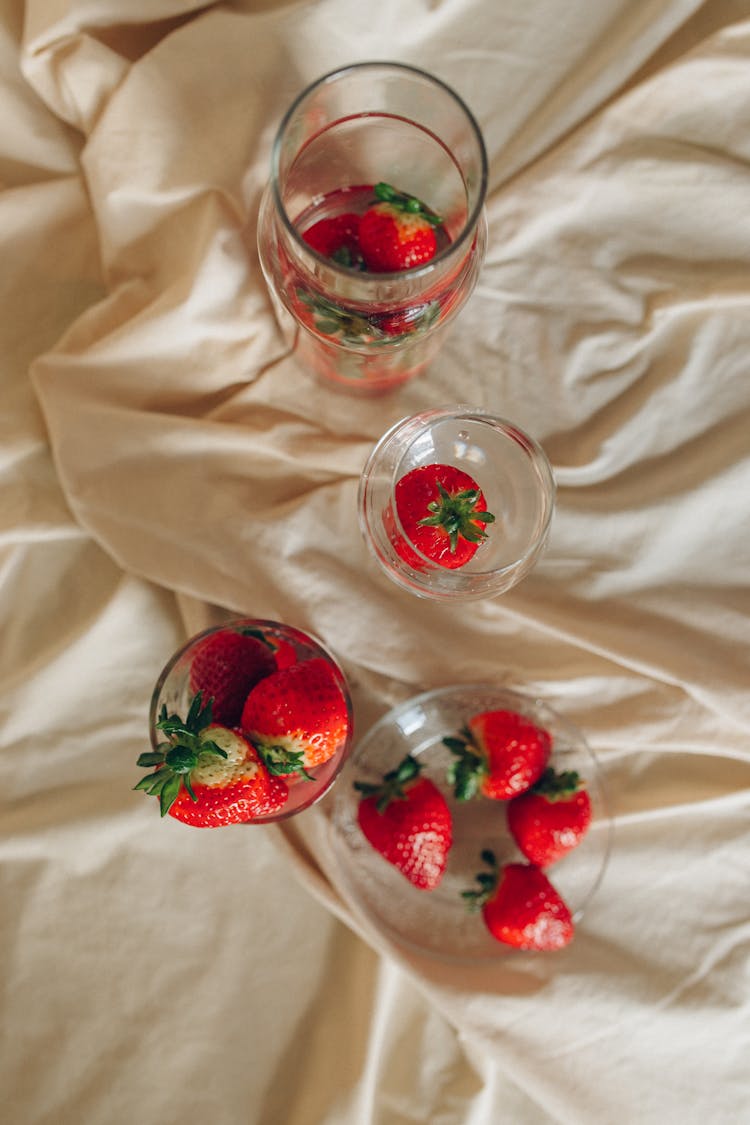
x: 368, y: 124
x: 485, y: 464
x: 281, y: 667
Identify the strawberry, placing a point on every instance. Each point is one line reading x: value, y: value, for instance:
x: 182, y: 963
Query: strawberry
x: 443, y: 512
x: 407, y: 820
x: 499, y: 754
x: 337, y: 238
x: 207, y: 775
x: 550, y: 818
x: 397, y: 232
x: 285, y: 653
x: 297, y: 718
x: 520, y: 906
x: 405, y: 321
x: 225, y: 665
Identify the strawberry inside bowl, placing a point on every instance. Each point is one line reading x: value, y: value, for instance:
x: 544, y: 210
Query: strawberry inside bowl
x: 249, y: 722
x: 425, y: 835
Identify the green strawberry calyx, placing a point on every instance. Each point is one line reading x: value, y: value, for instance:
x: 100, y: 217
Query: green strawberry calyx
x: 392, y: 787
x: 333, y: 320
x: 409, y: 204
x: 557, y: 786
x: 487, y: 883
x: 469, y: 767
x: 456, y: 513
x: 258, y: 634
x: 177, y: 757
x: 280, y: 761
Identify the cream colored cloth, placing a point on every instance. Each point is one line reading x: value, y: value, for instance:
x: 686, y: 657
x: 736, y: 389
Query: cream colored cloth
x: 164, y: 463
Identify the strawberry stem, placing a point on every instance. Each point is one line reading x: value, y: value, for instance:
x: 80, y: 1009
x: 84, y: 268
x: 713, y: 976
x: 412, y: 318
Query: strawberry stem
x: 176, y: 758
x: 557, y: 786
x: 468, y: 769
x: 258, y: 634
x: 385, y: 193
x: 391, y: 788
x: 487, y: 880
x: 281, y: 762
x: 456, y: 513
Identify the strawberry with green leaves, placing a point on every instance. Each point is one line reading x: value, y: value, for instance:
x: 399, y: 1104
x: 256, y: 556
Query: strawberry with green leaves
x: 297, y: 718
x: 498, y: 754
x: 407, y: 820
x: 207, y: 775
x: 397, y: 232
x: 551, y: 818
x: 520, y: 907
x: 442, y: 512
x: 226, y: 664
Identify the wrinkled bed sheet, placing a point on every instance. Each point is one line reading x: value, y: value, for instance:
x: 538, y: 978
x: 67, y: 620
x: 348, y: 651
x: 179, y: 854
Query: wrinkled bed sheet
x: 164, y: 464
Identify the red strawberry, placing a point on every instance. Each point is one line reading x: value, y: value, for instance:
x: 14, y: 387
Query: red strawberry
x: 520, y: 906
x: 407, y: 820
x: 285, y: 654
x: 207, y: 775
x: 551, y: 818
x: 405, y: 321
x: 397, y: 232
x: 443, y: 512
x: 499, y: 754
x: 336, y: 238
x: 226, y: 665
x: 297, y: 718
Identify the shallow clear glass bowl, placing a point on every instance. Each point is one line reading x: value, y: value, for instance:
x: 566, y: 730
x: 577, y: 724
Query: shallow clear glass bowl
x: 437, y: 922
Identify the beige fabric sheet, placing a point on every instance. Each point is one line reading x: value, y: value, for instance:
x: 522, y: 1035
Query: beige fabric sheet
x: 163, y: 463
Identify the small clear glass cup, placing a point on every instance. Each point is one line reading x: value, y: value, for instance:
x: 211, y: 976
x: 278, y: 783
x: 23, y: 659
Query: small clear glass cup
x: 513, y: 473
x: 290, y: 645
x: 364, y: 124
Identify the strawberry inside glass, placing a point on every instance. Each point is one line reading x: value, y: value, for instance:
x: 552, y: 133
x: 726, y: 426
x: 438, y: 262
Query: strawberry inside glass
x: 442, y: 513
x: 249, y: 722
x: 381, y: 170
x: 371, y: 228
x: 375, y: 228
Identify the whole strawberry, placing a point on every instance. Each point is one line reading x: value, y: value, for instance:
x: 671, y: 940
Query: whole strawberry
x: 442, y: 511
x: 520, y: 907
x: 498, y: 754
x: 337, y: 238
x: 207, y: 775
x: 297, y: 718
x: 397, y: 232
x: 226, y: 664
x: 551, y: 818
x: 407, y: 820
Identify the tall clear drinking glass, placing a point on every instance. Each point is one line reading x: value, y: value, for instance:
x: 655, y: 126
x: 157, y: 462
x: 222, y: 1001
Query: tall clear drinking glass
x: 352, y: 129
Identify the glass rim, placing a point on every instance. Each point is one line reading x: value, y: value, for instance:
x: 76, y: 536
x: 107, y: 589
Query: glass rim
x: 472, y: 218
x: 233, y: 623
x: 486, y: 578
